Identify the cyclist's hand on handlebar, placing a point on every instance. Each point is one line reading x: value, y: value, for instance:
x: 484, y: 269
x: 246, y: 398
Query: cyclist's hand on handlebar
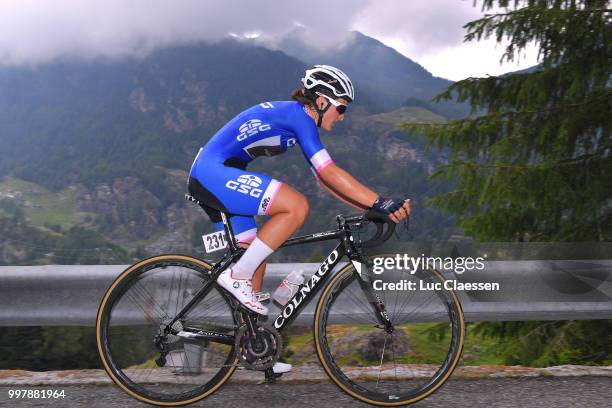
x: 402, y: 213
x: 396, y: 208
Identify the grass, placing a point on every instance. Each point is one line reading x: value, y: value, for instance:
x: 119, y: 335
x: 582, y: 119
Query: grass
x: 423, y: 349
x: 42, y: 207
x: 408, y: 114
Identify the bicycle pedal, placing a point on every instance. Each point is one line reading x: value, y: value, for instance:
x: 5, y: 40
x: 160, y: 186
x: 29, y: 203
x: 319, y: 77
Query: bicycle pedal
x: 271, y: 376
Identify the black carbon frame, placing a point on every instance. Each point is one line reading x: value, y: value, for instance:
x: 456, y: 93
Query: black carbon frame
x: 236, y: 252
x: 303, y: 297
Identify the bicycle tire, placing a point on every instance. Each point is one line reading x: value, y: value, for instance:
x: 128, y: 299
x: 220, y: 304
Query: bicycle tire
x: 346, y: 361
x: 125, y: 329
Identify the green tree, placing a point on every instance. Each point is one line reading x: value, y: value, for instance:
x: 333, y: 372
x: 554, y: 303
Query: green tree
x: 533, y: 159
x: 534, y: 164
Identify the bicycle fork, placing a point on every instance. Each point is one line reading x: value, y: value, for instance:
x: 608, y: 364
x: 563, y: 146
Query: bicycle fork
x: 378, y: 306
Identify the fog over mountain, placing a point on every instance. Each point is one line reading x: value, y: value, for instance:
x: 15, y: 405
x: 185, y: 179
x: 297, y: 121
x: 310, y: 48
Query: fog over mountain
x: 427, y: 31
x: 380, y: 72
x: 104, y: 146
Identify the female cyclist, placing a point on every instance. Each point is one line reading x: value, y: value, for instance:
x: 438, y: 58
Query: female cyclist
x: 219, y: 178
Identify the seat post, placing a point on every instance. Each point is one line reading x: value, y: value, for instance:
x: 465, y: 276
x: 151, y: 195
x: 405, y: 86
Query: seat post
x: 229, y: 232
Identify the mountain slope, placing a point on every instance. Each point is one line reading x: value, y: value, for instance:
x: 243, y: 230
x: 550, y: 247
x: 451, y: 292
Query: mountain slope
x: 377, y: 70
x: 113, y: 141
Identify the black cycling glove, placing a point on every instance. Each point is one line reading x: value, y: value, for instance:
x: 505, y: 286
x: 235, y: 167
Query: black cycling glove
x: 387, y: 205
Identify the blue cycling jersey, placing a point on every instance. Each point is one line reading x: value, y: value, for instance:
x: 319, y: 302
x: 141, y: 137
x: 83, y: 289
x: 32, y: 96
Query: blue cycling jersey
x: 267, y: 129
x: 219, y: 178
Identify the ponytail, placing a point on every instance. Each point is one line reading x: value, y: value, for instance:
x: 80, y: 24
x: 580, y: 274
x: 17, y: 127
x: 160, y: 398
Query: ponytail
x: 304, y: 96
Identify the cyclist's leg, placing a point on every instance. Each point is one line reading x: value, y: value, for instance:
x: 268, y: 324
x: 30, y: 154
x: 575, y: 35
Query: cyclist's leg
x: 288, y: 211
x: 245, y: 230
x: 237, y: 191
x: 247, y: 193
x: 258, y: 276
x: 259, y: 272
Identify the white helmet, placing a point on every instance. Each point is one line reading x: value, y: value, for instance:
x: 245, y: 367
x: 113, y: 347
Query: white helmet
x: 329, y: 80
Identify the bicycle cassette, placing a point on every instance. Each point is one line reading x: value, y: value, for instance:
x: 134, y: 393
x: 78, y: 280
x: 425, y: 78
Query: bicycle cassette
x: 170, y: 338
x: 260, y: 353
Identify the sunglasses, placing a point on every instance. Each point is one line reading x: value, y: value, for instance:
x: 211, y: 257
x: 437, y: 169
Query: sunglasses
x: 340, y: 107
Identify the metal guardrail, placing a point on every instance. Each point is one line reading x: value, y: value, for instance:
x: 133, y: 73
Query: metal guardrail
x: 529, y: 290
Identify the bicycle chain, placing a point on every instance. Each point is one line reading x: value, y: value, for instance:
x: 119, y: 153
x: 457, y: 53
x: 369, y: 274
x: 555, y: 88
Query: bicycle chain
x: 259, y: 361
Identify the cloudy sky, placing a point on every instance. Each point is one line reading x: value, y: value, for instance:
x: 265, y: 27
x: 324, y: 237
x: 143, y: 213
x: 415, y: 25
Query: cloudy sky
x: 427, y: 31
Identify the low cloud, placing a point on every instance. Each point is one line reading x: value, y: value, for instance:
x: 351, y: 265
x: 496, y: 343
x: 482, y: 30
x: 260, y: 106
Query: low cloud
x: 35, y: 31
x: 424, y: 27
x: 427, y: 31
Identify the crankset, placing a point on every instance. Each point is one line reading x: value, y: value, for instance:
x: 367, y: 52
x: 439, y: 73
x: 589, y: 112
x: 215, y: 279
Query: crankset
x: 261, y: 351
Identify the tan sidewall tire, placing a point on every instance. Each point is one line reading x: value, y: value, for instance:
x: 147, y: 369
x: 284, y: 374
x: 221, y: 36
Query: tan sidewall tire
x: 320, y: 307
x: 105, y: 363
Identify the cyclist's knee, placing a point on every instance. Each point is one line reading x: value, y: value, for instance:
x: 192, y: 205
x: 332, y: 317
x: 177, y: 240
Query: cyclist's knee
x: 291, y: 201
x: 301, y: 208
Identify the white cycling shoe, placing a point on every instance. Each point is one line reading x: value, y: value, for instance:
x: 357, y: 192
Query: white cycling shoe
x: 263, y: 297
x: 242, y: 290
x: 280, y: 368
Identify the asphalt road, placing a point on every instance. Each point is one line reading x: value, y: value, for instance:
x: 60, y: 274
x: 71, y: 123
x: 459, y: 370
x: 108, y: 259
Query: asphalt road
x: 537, y: 392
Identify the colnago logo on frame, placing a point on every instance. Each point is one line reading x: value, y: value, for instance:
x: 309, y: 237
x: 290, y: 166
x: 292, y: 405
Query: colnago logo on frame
x: 246, y: 184
x: 251, y: 128
x: 299, y: 297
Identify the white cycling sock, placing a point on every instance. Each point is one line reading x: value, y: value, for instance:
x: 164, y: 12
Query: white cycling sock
x: 255, y: 254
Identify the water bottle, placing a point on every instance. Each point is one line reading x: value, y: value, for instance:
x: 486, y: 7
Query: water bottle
x: 288, y: 287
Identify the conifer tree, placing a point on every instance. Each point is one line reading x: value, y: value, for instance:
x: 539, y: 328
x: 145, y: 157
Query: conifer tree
x: 533, y: 161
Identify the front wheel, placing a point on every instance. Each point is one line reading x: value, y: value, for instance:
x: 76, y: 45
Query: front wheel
x: 381, y: 367
x: 155, y: 361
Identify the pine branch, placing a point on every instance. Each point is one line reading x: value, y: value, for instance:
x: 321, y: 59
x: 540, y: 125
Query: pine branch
x: 526, y: 91
x: 511, y: 114
x: 512, y: 13
x: 533, y: 159
x: 537, y: 22
x: 599, y: 152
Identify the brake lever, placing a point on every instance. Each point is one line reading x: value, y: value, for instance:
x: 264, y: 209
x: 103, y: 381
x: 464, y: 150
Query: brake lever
x: 406, y: 226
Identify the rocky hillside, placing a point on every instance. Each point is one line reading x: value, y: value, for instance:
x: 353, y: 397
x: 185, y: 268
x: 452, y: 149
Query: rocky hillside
x: 105, y: 146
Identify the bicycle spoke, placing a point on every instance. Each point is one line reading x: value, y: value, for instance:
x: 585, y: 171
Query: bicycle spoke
x: 414, y: 310
x: 366, y: 309
x: 149, y: 299
x: 382, y: 356
x: 380, y: 365
x: 178, y: 294
x: 134, y: 344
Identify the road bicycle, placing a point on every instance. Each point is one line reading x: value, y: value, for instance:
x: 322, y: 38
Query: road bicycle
x: 169, y: 335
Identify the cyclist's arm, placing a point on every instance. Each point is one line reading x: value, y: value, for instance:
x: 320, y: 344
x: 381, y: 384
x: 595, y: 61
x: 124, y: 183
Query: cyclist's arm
x: 333, y: 177
x: 336, y: 195
x: 345, y: 186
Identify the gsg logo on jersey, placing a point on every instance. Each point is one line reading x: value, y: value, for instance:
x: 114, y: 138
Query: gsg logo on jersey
x: 246, y: 184
x: 251, y: 128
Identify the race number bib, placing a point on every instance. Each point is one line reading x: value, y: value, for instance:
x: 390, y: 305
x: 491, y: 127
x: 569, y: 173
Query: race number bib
x: 215, y: 241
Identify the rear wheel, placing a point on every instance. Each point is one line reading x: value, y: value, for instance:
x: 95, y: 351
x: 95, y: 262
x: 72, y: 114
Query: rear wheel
x: 382, y: 368
x: 149, y: 362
